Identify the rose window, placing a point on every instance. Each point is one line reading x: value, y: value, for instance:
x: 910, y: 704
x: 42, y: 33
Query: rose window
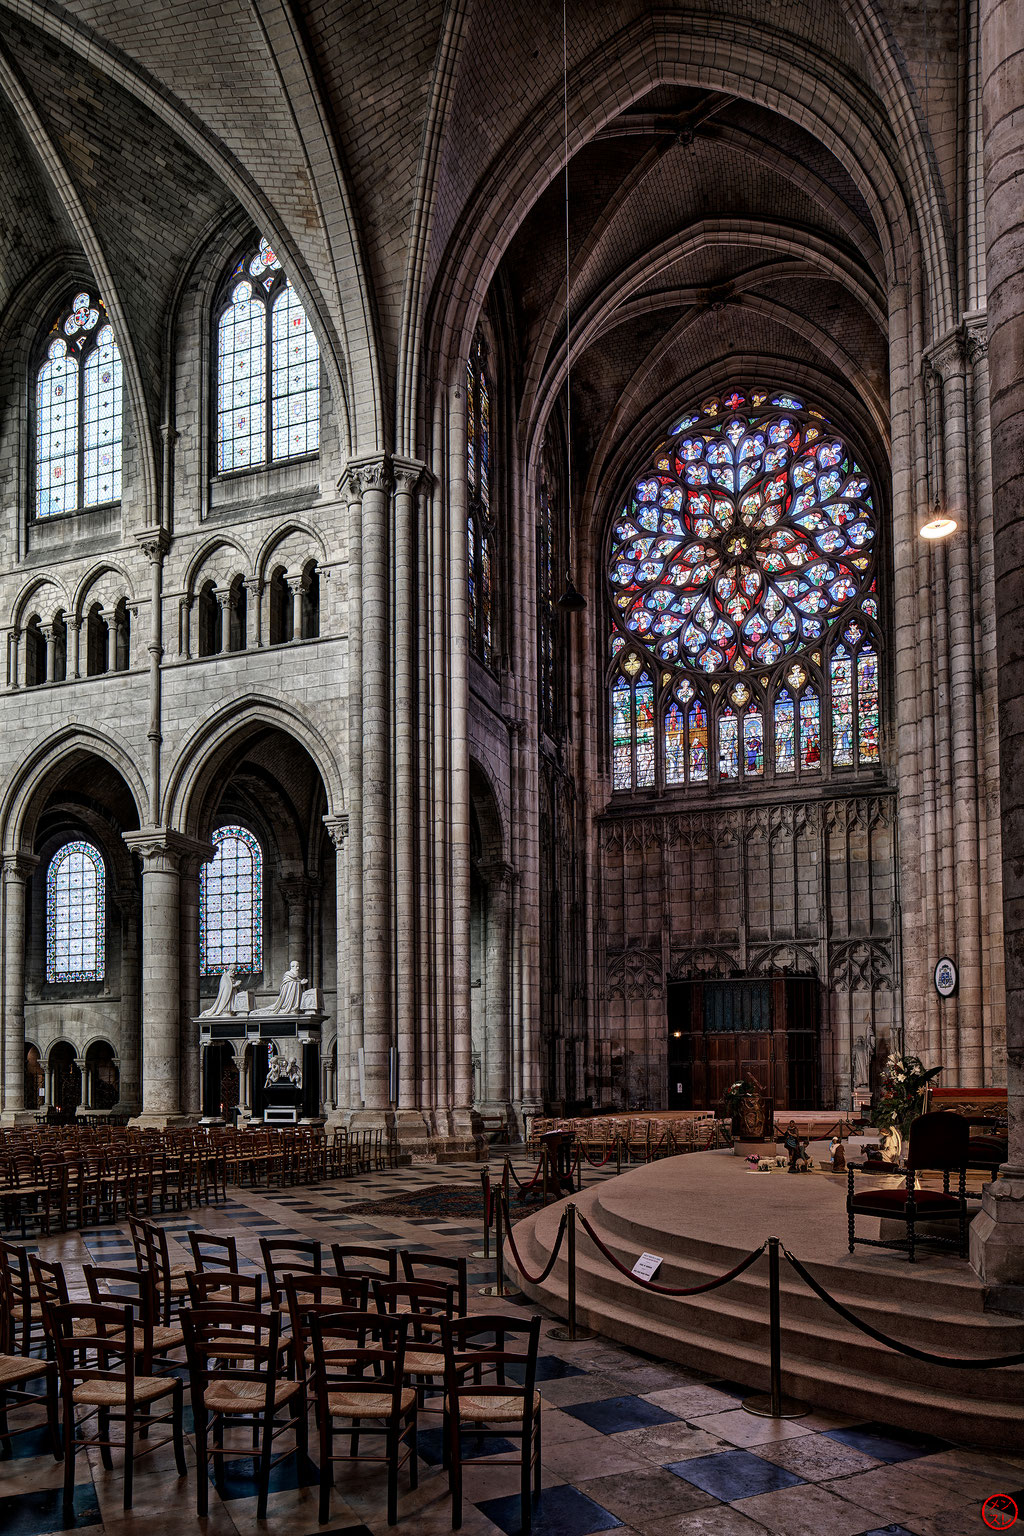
x: 743, y: 579
x: 752, y: 533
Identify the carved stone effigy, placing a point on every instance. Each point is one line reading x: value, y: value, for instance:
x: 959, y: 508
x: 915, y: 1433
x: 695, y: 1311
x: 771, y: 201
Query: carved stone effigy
x: 280, y: 1042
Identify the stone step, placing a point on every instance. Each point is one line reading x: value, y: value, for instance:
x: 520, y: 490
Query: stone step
x: 826, y: 1361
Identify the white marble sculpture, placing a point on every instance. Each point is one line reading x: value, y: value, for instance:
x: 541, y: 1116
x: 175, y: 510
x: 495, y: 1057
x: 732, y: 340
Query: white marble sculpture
x: 289, y: 995
x: 311, y: 1001
x: 224, y: 1004
x: 283, y: 1069
x: 863, y: 1050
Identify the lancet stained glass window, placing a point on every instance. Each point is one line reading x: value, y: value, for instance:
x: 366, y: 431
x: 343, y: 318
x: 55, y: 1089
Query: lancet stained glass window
x: 79, y: 413
x: 743, y: 564
x: 231, y: 904
x: 267, y: 368
x: 480, y: 528
x: 75, y: 914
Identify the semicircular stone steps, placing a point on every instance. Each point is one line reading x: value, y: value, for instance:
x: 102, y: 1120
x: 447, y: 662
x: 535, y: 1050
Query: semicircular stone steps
x: 826, y: 1361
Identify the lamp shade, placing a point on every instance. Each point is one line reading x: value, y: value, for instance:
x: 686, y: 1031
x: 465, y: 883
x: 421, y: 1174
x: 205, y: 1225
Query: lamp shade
x: 571, y: 600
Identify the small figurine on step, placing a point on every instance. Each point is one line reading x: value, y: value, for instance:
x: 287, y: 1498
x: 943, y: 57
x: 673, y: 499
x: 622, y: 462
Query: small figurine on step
x: 796, y: 1146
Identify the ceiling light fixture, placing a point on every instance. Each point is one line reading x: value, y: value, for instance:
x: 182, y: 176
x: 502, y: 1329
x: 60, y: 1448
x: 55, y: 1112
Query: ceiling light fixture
x: 938, y: 527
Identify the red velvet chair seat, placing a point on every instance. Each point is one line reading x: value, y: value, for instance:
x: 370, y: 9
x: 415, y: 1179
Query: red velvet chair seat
x: 988, y: 1147
x: 928, y: 1201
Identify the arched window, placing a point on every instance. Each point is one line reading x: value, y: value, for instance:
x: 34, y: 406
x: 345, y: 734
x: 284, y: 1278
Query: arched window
x: 75, y: 914
x: 742, y: 576
x: 632, y: 725
x: 267, y: 368
x: 231, y: 904
x: 479, y: 528
x: 79, y: 411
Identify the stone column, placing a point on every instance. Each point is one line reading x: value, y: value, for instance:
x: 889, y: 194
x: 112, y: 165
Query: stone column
x: 458, y: 764
x: 296, y: 891
x: 296, y: 586
x: 109, y: 617
x: 997, y: 1234
x: 85, y: 1074
x: 161, y: 853
x: 223, y: 596
x: 254, y: 587
x: 374, y: 483
x: 14, y: 658
x: 74, y: 629
x: 496, y: 1086
x: 17, y: 869
x: 337, y: 830
x: 127, y: 903
x: 49, y: 634
x: 410, y: 479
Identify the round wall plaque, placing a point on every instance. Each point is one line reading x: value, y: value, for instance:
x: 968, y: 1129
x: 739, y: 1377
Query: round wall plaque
x: 946, y: 977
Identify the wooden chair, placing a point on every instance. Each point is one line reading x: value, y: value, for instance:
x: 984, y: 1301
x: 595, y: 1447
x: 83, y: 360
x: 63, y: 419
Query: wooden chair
x: 439, y: 1268
x: 210, y: 1251
x: 359, y: 1378
x: 937, y: 1142
x: 323, y: 1295
x: 382, y: 1265
x: 136, y: 1288
x: 171, y: 1284
x: 284, y: 1255
x: 423, y: 1303
x: 16, y: 1371
x: 97, y: 1373
x: 235, y: 1369
x: 507, y: 1405
x: 221, y: 1288
x: 24, y: 1319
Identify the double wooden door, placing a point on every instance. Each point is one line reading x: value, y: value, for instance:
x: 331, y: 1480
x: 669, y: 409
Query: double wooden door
x: 722, y: 1031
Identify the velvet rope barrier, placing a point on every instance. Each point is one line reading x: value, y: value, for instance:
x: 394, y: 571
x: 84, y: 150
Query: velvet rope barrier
x: 549, y: 1266
x: 669, y: 1290
x: 882, y: 1338
x: 600, y: 1162
x: 531, y: 1183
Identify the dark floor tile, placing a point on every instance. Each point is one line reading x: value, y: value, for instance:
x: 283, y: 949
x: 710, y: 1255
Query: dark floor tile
x: 34, y: 1442
x: 549, y: 1368
x: 240, y: 1479
x: 613, y: 1415
x: 734, y: 1475
x: 560, y: 1511
x: 886, y: 1444
x: 428, y: 1444
x: 31, y: 1514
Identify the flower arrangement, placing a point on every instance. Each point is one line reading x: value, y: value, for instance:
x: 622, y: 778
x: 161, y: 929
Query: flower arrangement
x: 734, y: 1095
x: 903, y: 1083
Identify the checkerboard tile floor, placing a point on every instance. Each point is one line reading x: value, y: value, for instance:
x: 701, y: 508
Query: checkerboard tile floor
x: 630, y: 1443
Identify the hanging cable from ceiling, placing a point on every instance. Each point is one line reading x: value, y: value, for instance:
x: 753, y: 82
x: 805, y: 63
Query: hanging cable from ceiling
x: 571, y: 600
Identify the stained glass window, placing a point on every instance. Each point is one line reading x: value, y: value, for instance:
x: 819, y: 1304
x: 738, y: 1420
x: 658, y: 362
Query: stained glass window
x: 79, y: 413
x: 644, y: 731
x: 785, y: 733
x: 267, y: 369
x: 231, y: 904
x: 622, y: 735
x: 742, y: 555
x: 549, y: 562
x: 728, y: 745
x: 478, y: 475
x: 75, y: 914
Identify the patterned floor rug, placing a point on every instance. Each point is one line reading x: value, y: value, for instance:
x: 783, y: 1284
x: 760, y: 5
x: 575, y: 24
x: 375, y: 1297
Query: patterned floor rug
x: 448, y: 1202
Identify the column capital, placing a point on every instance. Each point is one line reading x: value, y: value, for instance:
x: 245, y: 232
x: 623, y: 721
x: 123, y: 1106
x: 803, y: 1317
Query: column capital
x: 496, y: 872
x: 370, y: 474
x: 165, y: 852
x: 154, y: 542
x: 411, y: 475
x: 976, y: 336
x: 19, y: 866
x: 337, y: 828
x: 223, y: 596
x: 947, y: 355
x: 297, y: 583
x: 296, y: 889
x: 252, y: 584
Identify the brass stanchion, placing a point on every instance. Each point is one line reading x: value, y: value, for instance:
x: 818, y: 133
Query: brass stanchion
x: 774, y: 1405
x: 544, y: 1173
x: 618, y: 1153
x: 572, y: 1331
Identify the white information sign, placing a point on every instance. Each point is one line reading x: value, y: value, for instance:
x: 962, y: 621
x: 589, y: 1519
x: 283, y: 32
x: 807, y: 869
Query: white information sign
x: 647, y: 1266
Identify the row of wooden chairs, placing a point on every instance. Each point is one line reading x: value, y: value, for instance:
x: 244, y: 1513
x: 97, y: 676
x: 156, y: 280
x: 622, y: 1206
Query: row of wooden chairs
x: 638, y: 1139
x: 264, y: 1358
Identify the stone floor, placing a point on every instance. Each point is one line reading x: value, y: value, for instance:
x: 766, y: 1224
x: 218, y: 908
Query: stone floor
x: 630, y: 1444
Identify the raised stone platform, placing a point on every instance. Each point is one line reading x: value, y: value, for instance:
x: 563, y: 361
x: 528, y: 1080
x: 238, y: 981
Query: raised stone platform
x: 703, y: 1212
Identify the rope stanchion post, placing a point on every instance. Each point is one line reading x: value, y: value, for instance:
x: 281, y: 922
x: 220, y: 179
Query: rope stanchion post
x: 618, y: 1153
x: 572, y: 1330
x: 775, y: 1405
x: 485, y: 1185
x: 579, y: 1167
x: 499, y: 1288
x: 544, y: 1173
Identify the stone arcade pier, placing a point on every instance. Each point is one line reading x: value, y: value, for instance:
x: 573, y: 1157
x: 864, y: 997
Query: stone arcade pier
x: 997, y: 1237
